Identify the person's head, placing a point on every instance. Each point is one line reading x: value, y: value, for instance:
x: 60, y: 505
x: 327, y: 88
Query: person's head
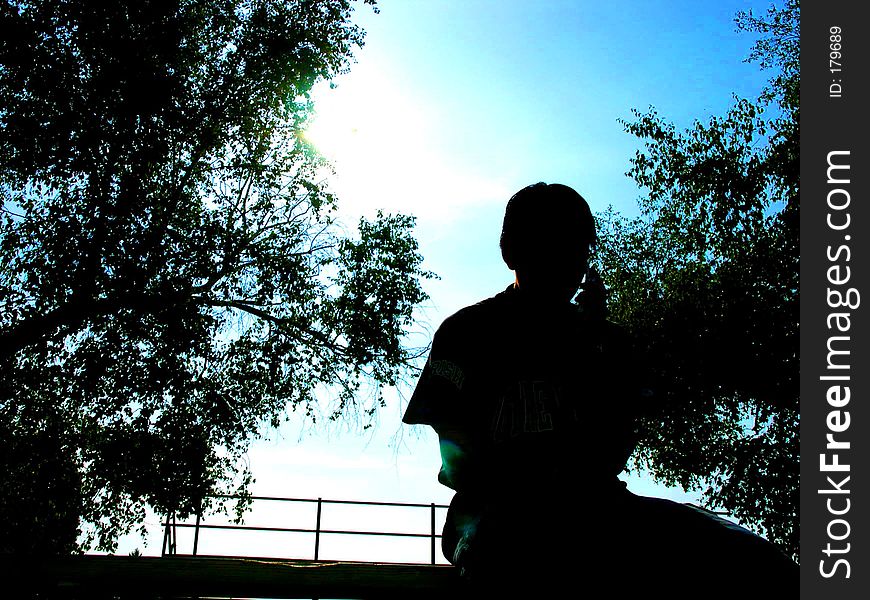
x: 546, y: 239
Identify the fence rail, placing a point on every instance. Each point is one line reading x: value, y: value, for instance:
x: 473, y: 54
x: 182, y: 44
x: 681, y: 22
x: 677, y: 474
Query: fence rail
x: 171, y: 526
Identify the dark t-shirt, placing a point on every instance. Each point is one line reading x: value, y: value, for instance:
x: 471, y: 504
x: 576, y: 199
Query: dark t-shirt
x: 527, y: 400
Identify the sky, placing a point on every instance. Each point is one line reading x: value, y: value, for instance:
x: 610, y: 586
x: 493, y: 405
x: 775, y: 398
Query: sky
x: 450, y: 108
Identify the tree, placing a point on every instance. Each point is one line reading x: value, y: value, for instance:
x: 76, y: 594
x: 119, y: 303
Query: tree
x: 707, y: 279
x: 172, y: 278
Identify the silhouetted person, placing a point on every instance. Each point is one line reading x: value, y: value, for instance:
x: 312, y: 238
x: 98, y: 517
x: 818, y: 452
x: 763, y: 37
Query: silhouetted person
x: 535, y: 399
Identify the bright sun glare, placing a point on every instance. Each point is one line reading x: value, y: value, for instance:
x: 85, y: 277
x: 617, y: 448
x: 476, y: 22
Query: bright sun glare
x: 391, y: 152
x: 375, y: 138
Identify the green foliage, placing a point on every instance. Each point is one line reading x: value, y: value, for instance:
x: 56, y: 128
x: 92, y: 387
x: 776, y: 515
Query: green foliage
x: 707, y: 278
x: 172, y: 281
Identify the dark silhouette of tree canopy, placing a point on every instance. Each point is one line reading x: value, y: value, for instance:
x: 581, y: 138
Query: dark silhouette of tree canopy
x: 707, y: 278
x: 172, y: 281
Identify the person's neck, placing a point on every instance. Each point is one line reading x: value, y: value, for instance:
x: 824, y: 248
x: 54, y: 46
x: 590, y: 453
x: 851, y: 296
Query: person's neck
x: 540, y: 298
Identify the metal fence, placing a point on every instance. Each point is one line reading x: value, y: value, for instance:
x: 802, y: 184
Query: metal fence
x: 171, y: 526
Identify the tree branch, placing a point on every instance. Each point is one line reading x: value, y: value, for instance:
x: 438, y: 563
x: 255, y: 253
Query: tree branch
x: 76, y: 313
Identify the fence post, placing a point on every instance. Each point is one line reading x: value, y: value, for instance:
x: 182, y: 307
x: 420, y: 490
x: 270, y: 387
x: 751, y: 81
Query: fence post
x: 317, y: 530
x: 433, y: 533
x: 196, y: 533
x: 165, y: 535
x: 173, y: 547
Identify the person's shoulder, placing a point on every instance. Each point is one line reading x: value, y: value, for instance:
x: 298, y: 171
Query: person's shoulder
x: 477, y: 316
x: 612, y: 328
x: 608, y: 334
x: 619, y: 341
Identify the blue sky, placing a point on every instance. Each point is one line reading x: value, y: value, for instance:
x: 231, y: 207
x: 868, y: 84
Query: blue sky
x: 452, y: 106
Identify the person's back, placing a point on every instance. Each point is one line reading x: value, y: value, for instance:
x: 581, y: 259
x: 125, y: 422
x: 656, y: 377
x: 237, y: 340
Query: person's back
x: 532, y: 397
x: 535, y: 400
